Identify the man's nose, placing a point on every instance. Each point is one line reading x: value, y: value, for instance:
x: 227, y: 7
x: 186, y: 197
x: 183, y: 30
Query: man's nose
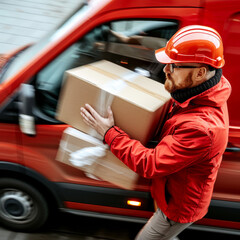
x: 166, y: 69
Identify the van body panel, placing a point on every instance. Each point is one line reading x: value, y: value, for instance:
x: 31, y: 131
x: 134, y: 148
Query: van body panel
x: 71, y: 188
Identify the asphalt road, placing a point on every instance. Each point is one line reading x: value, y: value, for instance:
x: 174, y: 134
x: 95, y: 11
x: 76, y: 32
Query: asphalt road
x: 71, y: 227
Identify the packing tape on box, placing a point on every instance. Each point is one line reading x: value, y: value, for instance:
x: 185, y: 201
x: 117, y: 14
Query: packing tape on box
x: 105, y: 99
x: 107, y: 94
x: 128, y: 79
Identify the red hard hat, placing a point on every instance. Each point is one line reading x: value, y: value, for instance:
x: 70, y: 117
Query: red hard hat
x: 193, y: 44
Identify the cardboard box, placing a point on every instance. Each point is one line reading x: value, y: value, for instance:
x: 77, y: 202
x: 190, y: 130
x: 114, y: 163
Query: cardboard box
x: 108, y: 168
x: 138, y: 103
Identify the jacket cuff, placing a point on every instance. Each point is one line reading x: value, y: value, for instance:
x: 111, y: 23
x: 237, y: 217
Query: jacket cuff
x: 111, y: 134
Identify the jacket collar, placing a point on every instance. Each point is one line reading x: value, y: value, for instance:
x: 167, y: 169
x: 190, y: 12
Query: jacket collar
x: 210, y: 92
x: 185, y: 94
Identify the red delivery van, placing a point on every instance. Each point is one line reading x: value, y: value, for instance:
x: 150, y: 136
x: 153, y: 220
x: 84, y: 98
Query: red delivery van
x: 32, y: 182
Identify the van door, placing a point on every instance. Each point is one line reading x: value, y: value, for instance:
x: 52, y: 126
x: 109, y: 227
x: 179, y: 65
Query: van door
x: 225, y: 18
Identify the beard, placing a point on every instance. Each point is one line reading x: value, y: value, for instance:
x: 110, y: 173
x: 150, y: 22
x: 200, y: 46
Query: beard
x: 171, y: 86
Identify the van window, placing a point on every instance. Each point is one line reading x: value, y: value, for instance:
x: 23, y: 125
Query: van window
x: 130, y: 44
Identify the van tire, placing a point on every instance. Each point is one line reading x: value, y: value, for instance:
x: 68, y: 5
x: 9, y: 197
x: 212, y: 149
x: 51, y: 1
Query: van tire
x: 22, y: 207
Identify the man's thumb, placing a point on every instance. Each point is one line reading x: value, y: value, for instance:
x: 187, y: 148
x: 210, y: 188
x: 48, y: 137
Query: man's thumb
x: 110, y: 114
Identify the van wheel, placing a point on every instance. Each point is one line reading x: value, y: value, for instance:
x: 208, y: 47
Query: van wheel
x: 22, y: 207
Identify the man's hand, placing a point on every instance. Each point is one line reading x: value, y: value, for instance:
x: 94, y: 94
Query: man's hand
x: 95, y: 121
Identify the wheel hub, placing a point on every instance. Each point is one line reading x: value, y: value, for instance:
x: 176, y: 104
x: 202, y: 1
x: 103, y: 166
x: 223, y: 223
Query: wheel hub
x: 15, y: 205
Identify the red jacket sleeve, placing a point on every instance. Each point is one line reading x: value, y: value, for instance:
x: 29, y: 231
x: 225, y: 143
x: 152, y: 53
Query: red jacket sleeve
x: 174, y: 152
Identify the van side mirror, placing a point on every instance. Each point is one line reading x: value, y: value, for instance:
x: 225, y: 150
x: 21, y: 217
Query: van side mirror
x: 26, y: 105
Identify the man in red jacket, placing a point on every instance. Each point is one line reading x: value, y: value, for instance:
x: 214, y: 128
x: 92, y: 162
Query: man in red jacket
x: 184, y: 165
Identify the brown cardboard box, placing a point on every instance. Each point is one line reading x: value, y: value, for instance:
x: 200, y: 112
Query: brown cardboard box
x: 108, y: 168
x: 138, y: 103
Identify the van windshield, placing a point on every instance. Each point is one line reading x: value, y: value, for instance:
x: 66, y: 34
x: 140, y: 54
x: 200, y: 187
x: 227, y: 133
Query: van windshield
x: 25, y: 56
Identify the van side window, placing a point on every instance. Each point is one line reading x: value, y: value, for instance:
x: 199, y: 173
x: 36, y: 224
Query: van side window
x: 129, y: 43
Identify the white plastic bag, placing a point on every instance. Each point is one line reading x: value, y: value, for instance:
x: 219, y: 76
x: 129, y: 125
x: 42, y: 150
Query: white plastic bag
x: 87, y: 156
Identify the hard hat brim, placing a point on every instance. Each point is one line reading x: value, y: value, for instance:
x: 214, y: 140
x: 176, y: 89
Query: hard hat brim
x: 162, y: 57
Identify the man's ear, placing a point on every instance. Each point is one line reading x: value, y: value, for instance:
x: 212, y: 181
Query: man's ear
x: 200, y: 74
